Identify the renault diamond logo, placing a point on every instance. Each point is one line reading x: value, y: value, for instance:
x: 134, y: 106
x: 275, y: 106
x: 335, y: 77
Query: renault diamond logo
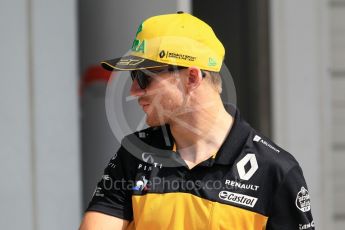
x: 246, y: 174
x: 162, y: 54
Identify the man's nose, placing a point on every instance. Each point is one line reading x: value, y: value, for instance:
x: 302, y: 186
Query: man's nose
x: 136, y: 90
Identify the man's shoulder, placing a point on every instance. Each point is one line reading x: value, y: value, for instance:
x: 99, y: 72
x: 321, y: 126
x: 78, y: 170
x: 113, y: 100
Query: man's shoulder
x: 267, y: 153
x: 271, y: 155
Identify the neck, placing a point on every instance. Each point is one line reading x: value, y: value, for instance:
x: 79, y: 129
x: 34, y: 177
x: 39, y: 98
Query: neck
x: 199, y: 134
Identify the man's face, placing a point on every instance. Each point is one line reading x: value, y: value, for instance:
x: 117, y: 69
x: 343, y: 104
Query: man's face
x: 163, y: 97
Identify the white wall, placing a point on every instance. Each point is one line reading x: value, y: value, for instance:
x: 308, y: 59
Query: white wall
x: 337, y: 44
x: 301, y: 94
x: 39, y: 144
x: 15, y: 142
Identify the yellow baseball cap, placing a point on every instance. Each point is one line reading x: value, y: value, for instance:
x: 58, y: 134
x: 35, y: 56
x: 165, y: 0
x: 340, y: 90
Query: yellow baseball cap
x: 172, y: 39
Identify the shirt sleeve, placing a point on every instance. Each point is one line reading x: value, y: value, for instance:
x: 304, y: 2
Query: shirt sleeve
x: 112, y: 195
x: 290, y: 208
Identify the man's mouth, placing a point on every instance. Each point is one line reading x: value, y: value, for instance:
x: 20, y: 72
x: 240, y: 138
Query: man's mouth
x: 144, y: 105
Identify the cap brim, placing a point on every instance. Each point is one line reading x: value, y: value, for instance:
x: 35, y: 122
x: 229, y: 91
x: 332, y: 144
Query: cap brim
x: 130, y: 63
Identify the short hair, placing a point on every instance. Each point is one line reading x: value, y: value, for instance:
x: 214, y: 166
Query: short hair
x: 215, y: 80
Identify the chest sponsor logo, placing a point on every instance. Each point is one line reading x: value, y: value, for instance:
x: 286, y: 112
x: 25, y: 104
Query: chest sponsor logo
x: 237, y: 198
x: 240, y: 185
x: 141, y: 185
x: 112, y: 161
x: 303, y: 200
x: 145, y: 167
x: 247, y: 166
x: 148, y: 158
x: 260, y: 140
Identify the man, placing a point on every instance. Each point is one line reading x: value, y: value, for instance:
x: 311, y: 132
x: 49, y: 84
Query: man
x: 198, y: 165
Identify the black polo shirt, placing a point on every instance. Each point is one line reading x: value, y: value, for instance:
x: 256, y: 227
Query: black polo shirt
x: 250, y: 183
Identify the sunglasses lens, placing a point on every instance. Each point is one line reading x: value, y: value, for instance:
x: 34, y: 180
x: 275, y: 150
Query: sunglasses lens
x: 144, y: 79
x: 141, y: 77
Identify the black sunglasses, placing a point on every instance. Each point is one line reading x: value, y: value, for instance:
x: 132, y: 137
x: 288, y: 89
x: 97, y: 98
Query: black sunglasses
x: 144, y: 77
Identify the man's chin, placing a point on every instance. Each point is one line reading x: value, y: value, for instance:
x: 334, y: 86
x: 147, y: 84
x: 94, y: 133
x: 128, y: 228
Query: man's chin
x: 153, y: 122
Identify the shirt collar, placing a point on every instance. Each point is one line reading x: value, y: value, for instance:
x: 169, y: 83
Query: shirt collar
x: 235, y: 140
x: 233, y: 143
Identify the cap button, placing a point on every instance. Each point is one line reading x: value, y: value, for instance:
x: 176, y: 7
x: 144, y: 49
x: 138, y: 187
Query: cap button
x: 180, y: 12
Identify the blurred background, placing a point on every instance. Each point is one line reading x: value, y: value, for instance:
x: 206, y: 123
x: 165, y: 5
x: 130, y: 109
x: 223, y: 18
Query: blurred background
x: 287, y: 59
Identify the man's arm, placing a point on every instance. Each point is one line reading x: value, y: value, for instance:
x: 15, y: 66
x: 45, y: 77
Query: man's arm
x: 291, y: 207
x: 111, y: 204
x: 100, y: 221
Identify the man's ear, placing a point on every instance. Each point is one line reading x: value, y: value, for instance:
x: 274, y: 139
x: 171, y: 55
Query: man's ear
x: 194, y: 78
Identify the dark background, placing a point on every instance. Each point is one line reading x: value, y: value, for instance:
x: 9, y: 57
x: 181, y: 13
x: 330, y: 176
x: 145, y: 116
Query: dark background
x: 246, y: 40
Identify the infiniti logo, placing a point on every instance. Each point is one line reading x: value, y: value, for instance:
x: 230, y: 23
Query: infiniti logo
x: 147, y: 157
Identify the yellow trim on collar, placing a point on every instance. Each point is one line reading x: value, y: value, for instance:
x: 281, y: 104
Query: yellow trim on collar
x: 213, y: 155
